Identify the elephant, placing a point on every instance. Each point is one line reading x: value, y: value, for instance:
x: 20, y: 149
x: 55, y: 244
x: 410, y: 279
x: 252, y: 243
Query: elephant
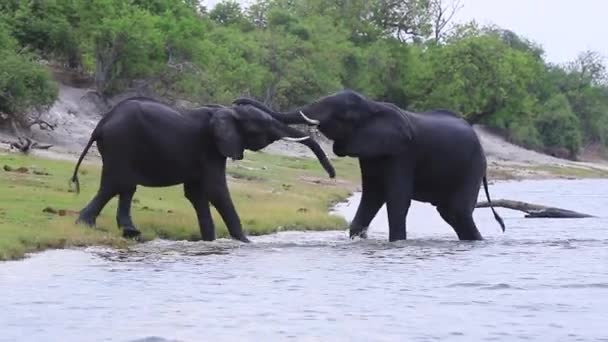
x: 145, y: 142
x: 432, y: 157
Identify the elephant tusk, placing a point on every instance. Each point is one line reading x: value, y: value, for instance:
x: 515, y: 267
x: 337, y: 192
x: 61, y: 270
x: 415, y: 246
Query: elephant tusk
x: 309, y: 120
x: 295, y: 139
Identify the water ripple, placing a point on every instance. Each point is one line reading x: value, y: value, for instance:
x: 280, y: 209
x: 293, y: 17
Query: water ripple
x: 541, y: 280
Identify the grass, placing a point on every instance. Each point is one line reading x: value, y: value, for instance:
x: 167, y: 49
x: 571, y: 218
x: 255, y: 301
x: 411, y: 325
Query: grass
x: 572, y: 172
x: 270, y: 193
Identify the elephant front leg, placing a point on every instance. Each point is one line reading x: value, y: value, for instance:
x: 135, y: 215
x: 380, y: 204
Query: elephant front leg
x: 223, y: 203
x: 399, y: 191
x: 397, y: 207
x: 371, y: 202
x: 218, y: 194
x: 372, y: 198
x: 195, y: 194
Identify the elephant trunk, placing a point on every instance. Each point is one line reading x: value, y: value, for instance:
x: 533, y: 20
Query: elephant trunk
x: 292, y: 134
x: 318, y: 151
x: 294, y: 117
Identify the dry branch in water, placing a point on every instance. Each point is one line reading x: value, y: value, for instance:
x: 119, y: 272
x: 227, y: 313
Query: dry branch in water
x: 534, y: 210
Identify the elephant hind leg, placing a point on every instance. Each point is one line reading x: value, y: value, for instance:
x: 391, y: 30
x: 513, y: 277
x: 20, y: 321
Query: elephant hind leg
x: 123, y: 214
x: 461, y: 221
x: 88, y: 215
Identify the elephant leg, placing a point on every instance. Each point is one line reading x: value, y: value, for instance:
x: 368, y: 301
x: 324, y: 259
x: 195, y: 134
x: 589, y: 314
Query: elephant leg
x: 457, y: 209
x: 123, y: 214
x: 223, y: 203
x: 194, y: 193
x: 88, y: 215
x: 399, y: 190
x: 461, y: 221
x: 397, y: 207
x: 372, y: 198
x: 219, y: 196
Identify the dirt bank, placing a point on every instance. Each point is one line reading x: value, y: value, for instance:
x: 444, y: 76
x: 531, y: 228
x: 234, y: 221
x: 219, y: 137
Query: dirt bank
x: 506, y: 160
x: 77, y: 111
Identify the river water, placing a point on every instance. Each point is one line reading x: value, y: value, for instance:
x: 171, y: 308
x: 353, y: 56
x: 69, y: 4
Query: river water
x: 543, y: 280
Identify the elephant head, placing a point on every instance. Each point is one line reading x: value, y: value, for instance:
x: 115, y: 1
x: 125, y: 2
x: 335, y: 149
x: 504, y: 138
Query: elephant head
x: 246, y: 127
x: 358, y: 126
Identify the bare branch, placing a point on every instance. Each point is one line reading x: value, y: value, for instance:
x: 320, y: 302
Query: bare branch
x: 25, y: 145
x: 442, y: 16
x: 533, y: 210
x: 44, y: 125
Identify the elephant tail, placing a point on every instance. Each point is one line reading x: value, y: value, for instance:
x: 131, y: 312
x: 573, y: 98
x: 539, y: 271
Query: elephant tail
x: 74, y: 180
x: 496, y: 216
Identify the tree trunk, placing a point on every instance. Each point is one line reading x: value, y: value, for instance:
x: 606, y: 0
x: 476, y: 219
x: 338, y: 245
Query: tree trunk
x: 534, y: 210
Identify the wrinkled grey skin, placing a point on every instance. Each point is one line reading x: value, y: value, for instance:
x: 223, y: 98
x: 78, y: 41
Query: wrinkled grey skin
x: 145, y: 142
x: 432, y: 157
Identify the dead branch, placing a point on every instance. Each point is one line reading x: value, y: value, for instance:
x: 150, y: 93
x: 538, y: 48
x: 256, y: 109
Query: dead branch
x: 25, y: 145
x: 44, y: 125
x: 534, y: 210
x: 442, y: 16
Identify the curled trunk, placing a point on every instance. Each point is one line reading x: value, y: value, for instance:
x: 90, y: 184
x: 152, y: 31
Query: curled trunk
x: 314, y: 147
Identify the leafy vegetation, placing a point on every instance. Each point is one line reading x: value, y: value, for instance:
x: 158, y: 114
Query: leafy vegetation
x: 24, y: 84
x: 289, y: 52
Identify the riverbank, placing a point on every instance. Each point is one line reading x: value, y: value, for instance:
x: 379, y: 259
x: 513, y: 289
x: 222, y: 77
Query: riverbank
x: 281, y: 188
x: 271, y: 193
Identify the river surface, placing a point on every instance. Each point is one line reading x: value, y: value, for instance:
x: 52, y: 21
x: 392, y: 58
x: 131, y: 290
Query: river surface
x: 543, y: 280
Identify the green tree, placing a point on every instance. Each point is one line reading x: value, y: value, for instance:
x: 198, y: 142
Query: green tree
x: 45, y: 27
x: 558, y: 126
x: 24, y: 84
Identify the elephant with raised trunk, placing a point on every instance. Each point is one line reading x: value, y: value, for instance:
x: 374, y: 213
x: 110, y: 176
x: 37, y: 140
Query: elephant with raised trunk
x: 433, y: 157
x: 145, y: 142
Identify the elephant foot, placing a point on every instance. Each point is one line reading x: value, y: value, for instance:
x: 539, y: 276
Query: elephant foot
x: 396, y: 238
x: 208, y: 236
x: 358, y: 233
x: 241, y: 238
x: 87, y: 221
x: 130, y: 232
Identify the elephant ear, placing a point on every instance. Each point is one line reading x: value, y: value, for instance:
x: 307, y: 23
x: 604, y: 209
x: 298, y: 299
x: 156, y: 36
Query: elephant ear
x: 387, y: 131
x: 226, y: 134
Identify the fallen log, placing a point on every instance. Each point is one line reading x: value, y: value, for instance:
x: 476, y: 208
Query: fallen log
x: 534, y: 210
x: 25, y: 145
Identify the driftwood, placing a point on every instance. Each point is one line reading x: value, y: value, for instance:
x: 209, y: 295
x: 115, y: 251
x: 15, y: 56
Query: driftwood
x: 534, y: 210
x: 25, y: 145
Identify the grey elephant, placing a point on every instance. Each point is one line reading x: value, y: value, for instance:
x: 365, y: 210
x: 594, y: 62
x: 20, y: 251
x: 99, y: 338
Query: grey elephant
x: 432, y: 157
x: 145, y: 142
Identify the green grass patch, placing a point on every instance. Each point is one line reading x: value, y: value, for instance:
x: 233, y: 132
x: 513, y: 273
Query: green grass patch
x: 270, y: 192
x: 571, y: 171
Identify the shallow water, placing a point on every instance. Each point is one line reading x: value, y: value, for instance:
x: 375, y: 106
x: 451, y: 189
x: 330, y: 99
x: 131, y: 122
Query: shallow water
x: 544, y: 280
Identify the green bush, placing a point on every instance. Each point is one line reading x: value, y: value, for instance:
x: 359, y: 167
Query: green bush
x: 24, y: 84
x: 558, y: 126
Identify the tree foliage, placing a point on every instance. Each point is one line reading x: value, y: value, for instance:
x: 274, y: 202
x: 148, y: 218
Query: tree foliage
x: 24, y: 84
x: 289, y: 52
